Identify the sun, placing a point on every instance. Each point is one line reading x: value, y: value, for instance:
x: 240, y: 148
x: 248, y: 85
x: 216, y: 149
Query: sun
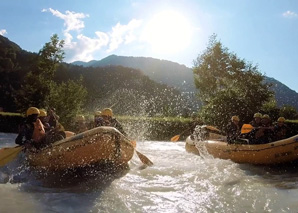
x: 168, y: 32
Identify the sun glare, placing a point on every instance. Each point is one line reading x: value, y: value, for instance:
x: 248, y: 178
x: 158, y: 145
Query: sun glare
x: 168, y: 32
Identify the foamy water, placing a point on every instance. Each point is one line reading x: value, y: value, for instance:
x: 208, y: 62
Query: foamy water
x: 178, y: 182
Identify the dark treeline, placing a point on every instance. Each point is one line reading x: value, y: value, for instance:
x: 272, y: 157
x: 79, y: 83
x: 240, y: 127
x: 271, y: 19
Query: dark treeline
x: 226, y: 85
x: 128, y: 90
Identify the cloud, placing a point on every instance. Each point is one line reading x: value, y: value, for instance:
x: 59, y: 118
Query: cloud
x: 82, y: 47
x: 123, y: 34
x: 3, y: 32
x: 72, y: 20
x: 290, y: 14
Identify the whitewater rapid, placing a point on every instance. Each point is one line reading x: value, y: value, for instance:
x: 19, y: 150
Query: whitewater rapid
x: 177, y: 182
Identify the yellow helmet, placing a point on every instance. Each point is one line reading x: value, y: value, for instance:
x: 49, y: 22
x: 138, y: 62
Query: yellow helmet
x: 281, y: 119
x: 107, y: 112
x: 80, y: 118
x: 97, y: 113
x: 235, y: 118
x: 32, y: 110
x: 266, y: 116
x: 43, y: 113
x: 257, y: 115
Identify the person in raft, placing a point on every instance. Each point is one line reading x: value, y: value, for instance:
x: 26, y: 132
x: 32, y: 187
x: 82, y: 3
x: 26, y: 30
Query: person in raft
x: 281, y: 130
x: 54, y: 130
x: 257, y: 120
x: 109, y: 120
x: 233, y: 129
x: 31, y: 130
x: 53, y: 120
x: 256, y: 123
x: 80, y: 124
x: 43, y: 117
x: 98, y: 120
x: 265, y: 133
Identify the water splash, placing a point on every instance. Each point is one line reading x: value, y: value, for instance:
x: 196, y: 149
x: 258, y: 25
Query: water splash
x: 200, y: 135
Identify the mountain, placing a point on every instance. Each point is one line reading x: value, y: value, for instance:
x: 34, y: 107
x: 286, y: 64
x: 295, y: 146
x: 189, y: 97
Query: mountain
x: 129, y: 91
x: 14, y: 61
x: 161, y: 71
x: 181, y: 77
x: 283, y: 94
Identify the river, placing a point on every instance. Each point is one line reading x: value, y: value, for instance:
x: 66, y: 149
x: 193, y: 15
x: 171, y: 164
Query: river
x: 177, y: 182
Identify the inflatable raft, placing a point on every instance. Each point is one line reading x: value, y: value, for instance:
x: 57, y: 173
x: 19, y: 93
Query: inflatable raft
x: 277, y: 152
x: 100, y: 145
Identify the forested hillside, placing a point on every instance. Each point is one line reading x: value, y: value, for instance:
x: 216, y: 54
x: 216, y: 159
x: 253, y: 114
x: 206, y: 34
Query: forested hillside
x: 162, y: 71
x: 132, y: 85
x: 14, y: 64
x: 181, y: 77
x: 127, y: 90
x: 283, y: 94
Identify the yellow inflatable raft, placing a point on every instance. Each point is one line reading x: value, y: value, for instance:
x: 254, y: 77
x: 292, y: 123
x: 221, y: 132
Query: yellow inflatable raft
x: 277, y: 152
x: 95, y: 146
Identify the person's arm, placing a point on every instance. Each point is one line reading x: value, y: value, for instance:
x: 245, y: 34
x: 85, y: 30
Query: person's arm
x: 118, y: 126
x: 22, y: 139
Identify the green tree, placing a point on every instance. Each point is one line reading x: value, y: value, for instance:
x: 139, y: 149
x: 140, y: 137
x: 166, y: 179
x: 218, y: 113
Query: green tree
x: 270, y: 107
x: 41, y: 90
x: 51, y: 55
x: 289, y: 112
x: 228, y: 85
x: 38, y: 83
x: 68, y: 99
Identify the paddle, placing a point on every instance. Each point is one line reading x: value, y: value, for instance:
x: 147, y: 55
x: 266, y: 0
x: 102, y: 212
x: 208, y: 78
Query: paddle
x: 212, y: 128
x: 176, y: 137
x: 246, y: 128
x: 8, y: 154
x: 143, y: 158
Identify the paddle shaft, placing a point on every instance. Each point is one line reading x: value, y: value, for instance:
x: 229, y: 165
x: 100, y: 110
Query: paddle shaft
x: 176, y: 137
x: 8, y: 154
x: 247, y: 128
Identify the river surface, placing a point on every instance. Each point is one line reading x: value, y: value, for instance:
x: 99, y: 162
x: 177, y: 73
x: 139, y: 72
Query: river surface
x: 177, y: 182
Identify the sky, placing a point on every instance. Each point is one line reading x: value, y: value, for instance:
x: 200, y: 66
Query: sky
x: 263, y: 32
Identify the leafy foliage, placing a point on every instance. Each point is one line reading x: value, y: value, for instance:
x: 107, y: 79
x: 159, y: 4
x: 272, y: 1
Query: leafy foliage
x: 12, y: 61
x: 50, y: 56
x: 228, y: 85
x: 39, y: 88
x: 68, y: 98
x: 127, y: 90
x: 289, y: 112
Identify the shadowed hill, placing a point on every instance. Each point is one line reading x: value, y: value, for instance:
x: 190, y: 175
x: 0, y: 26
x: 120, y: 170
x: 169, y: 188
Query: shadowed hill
x: 128, y: 90
x: 181, y: 77
x: 283, y: 94
x: 162, y: 71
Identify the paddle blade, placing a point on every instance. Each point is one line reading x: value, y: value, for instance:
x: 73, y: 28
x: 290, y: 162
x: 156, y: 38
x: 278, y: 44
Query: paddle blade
x: 175, y: 138
x: 69, y: 134
x: 213, y: 128
x: 246, y: 128
x: 144, y: 159
x: 133, y: 143
x: 9, y: 154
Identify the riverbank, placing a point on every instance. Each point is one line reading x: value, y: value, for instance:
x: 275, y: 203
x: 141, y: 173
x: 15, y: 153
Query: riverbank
x: 141, y: 128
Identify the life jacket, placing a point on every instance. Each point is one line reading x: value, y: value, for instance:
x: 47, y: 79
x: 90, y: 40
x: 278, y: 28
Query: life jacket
x: 39, y: 131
